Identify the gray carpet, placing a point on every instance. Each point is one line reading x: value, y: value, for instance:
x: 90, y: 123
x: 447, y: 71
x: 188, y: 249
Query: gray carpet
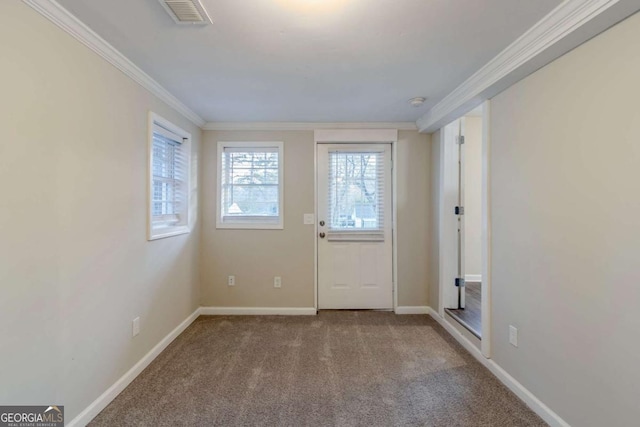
x: 340, y: 368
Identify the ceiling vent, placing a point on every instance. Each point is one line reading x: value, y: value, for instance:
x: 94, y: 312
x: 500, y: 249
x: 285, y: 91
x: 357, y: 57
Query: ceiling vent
x: 186, y: 11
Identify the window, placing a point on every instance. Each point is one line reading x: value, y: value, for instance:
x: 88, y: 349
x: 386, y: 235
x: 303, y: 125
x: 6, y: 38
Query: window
x: 356, y: 194
x: 169, y: 161
x: 250, y: 185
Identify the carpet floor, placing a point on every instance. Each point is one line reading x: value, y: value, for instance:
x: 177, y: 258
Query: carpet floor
x: 340, y: 368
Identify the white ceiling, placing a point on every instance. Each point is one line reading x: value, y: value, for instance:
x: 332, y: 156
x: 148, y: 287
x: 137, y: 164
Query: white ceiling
x: 312, y: 60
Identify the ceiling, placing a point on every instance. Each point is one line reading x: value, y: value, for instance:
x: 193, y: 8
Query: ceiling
x: 312, y: 60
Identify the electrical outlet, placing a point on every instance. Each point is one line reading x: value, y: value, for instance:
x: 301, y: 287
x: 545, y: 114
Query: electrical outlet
x: 309, y: 219
x: 277, y: 282
x: 513, y: 335
x: 231, y: 281
x: 135, y: 327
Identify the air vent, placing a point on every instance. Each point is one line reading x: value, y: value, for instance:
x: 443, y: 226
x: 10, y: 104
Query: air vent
x: 186, y: 11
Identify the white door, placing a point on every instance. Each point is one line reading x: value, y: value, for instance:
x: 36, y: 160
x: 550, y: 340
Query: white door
x: 459, y: 213
x: 452, y: 216
x: 354, y: 226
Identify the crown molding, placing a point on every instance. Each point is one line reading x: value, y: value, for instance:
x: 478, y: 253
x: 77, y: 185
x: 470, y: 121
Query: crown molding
x: 542, y: 43
x: 280, y: 126
x: 61, y: 17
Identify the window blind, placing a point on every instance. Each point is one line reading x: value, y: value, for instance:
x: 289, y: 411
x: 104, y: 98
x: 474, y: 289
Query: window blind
x: 250, y: 184
x: 356, y: 195
x: 169, y: 177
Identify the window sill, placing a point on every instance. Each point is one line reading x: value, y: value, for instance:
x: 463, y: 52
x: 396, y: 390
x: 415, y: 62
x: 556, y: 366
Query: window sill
x: 168, y: 232
x: 249, y: 226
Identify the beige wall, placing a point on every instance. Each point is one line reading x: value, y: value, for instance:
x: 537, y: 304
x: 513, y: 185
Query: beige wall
x: 75, y: 265
x: 565, y: 208
x: 256, y: 256
x: 472, y: 195
x: 413, y: 198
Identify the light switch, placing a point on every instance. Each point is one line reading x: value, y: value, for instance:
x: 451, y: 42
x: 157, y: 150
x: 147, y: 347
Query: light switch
x: 309, y: 219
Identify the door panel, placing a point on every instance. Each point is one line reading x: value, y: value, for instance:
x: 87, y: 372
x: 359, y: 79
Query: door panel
x: 342, y: 273
x: 354, y: 226
x: 369, y: 266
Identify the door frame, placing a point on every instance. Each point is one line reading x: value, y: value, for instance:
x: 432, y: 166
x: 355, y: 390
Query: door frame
x: 356, y: 136
x: 447, y: 228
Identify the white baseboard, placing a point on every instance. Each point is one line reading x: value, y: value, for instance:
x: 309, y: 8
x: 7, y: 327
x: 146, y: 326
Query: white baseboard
x: 412, y: 309
x: 258, y: 311
x: 105, y: 398
x: 473, y: 277
x: 512, y: 384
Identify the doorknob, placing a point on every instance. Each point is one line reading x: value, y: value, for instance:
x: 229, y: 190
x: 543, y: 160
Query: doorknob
x: 321, y: 223
x: 322, y: 235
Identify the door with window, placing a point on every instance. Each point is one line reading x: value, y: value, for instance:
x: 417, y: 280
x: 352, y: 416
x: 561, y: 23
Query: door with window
x: 355, y: 252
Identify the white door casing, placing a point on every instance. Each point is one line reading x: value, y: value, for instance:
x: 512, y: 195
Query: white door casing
x: 355, y: 251
x: 447, y: 227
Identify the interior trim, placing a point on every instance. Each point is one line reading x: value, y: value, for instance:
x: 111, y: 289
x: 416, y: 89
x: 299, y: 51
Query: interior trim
x: 307, y: 125
x: 563, y: 29
x: 61, y: 17
x: 258, y: 311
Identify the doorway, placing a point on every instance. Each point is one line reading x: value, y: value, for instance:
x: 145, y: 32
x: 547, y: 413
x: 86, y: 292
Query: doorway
x: 354, y: 227
x: 464, y: 226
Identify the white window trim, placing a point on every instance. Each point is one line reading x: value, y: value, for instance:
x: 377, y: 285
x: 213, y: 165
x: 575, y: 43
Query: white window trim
x: 253, y: 223
x: 154, y: 234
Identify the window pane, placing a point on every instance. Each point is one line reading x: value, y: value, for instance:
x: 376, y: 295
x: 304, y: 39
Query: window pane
x: 166, y: 176
x: 250, y: 182
x: 355, y: 187
x: 169, y: 178
x: 249, y: 200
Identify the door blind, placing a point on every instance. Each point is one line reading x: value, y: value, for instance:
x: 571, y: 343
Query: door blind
x: 356, y: 195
